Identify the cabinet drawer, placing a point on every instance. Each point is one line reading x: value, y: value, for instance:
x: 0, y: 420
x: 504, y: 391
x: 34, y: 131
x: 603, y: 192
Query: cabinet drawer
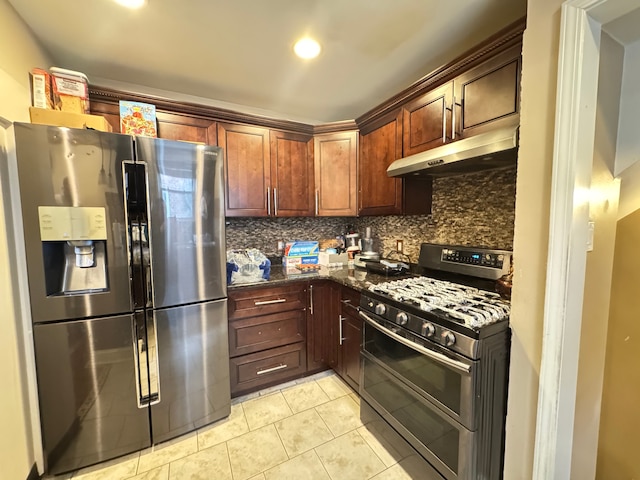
x: 261, y: 301
x: 260, y: 333
x: 350, y: 300
x: 250, y: 372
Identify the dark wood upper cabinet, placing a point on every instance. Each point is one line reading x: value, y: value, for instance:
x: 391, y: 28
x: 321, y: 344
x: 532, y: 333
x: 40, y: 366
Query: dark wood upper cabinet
x: 247, y: 170
x: 189, y: 129
x: 427, y: 120
x: 335, y: 174
x: 292, y: 176
x: 488, y: 96
x: 380, y: 145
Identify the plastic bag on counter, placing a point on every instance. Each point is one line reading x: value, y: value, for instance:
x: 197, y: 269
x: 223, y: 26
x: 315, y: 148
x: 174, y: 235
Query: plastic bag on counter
x: 247, y: 266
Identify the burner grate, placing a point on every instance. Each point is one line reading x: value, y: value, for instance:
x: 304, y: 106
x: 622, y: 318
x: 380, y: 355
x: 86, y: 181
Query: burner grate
x: 462, y: 304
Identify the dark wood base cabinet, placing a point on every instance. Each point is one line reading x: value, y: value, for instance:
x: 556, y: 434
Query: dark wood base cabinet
x: 322, y: 348
x: 270, y: 367
x: 350, y: 337
x: 267, y: 336
x: 277, y: 334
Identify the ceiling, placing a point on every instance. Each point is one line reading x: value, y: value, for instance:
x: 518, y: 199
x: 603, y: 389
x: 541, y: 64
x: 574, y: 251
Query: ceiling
x: 625, y: 27
x: 240, y: 51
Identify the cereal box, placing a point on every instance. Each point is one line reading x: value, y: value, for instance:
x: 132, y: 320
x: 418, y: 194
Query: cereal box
x: 138, y: 118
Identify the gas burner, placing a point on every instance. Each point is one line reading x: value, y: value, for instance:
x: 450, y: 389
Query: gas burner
x: 462, y: 304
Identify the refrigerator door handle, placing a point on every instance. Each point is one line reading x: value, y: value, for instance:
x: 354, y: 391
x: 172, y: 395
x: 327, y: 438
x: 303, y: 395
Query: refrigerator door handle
x: 140, y: 359
x: 152, y: 357
x: 146, y: 361
x: 146, y: 240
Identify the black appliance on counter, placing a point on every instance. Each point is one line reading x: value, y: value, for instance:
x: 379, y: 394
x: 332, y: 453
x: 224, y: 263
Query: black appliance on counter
x: 435, y: 359
x: 124, y: 250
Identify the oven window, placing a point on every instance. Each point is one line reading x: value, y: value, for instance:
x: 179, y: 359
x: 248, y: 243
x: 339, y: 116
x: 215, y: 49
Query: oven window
x: 439, y: 381
x: 439, y: 436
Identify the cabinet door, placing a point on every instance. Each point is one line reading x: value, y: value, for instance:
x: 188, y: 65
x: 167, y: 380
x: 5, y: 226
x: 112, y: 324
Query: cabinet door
x: 380, y: 194
x: 351, y: 343
x: 335, y: 174
x: 319, y: 326
x: 247, y: 170
x: 488, y: 96
x: 188, y: 129
x: 426, y: 120
x: 351, y: 331
x: 292, y: 174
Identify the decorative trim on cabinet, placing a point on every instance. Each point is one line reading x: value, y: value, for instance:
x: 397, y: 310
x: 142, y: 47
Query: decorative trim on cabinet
x: 509, y: 36
x: 109, y: 95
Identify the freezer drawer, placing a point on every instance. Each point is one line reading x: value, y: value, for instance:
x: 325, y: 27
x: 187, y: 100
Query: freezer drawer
x: 87, y: 392
x: 193, y: 361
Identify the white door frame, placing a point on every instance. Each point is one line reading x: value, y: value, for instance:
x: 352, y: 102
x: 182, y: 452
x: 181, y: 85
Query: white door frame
x: 576, y: 99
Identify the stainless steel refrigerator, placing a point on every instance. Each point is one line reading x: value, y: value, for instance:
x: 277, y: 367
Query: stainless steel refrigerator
x: 124, y: 243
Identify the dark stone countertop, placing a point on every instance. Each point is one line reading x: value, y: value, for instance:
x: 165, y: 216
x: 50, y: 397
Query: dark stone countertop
x: 355, y: 278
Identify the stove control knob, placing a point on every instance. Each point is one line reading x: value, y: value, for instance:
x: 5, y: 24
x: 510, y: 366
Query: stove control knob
x: 402, y: 318
x: 381, y: 309
x: 428, y: 330
x: 448, y: 338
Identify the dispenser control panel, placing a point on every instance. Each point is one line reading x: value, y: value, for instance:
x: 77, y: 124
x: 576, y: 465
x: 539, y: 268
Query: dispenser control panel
x: 72, y: 223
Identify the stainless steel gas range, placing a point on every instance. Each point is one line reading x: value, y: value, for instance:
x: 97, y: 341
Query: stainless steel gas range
x: 435, y: 357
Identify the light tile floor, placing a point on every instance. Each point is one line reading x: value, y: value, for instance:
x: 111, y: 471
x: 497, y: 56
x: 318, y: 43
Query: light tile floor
x: 309, y: 429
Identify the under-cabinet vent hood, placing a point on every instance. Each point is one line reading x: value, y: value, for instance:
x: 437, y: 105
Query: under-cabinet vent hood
x: 486, y: 151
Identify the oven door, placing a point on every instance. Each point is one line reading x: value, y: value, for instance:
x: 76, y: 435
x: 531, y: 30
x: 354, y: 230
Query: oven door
x: 445, y: 378
x: 442, y: 441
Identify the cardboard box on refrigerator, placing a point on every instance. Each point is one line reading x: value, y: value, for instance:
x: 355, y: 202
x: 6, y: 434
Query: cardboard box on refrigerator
x: 58, y: 118
x: 70, y: 90
x: 41, y: 96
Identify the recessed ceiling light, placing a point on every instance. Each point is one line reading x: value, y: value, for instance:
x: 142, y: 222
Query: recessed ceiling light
x: 131, y: 3
x: 307, y: 48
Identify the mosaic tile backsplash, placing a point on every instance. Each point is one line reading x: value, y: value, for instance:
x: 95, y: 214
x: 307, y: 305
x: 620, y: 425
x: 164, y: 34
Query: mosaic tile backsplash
x: 474, y: 209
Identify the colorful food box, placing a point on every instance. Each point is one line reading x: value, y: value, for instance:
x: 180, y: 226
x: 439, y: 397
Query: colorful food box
x: 70, y: 90
x: 301, y: 260
x: 41, y: 96
x: 137, y: 118
x: 301, y: 248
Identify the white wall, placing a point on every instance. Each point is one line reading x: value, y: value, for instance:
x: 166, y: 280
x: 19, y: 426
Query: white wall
x: 603, y: 209
x: 19, y: 53
x: 628, y: 146
x: 533, y: 187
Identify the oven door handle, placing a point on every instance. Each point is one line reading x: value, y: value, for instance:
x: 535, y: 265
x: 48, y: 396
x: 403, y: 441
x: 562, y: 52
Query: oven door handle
x: 462, y: 367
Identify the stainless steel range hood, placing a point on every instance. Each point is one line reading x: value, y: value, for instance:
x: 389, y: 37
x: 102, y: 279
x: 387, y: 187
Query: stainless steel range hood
x: 486, y: 151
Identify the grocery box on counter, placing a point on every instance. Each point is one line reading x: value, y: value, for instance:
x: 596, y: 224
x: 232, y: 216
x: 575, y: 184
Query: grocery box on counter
x: 300, y: 260
x: 326, y: 258
x: 301, y: 248
x: 300, y: 253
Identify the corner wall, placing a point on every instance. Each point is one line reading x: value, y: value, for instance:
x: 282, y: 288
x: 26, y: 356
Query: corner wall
x: 603, y: 209
x: 533, y: 193
x: 16, y: 446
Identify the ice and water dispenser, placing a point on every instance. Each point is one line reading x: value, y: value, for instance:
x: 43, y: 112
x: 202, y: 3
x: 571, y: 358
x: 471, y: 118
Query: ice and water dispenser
x: 74, y: 249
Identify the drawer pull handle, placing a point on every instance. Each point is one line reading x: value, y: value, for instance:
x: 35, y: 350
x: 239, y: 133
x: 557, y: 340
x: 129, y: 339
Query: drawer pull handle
x: 272, y: 369
x: 270, y: 302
